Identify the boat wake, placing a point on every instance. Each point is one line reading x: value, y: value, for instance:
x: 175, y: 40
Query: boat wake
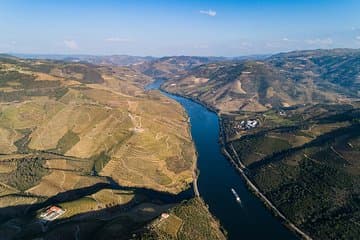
x: 236, y: 196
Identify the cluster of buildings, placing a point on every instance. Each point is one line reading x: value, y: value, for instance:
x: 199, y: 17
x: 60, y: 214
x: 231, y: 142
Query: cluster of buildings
x: 247, y: 124
x: 236, y: 127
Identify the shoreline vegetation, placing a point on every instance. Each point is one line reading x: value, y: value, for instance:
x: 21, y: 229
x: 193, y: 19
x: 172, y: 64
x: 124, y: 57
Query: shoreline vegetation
x: 241, y: 170
x: 302, y: 153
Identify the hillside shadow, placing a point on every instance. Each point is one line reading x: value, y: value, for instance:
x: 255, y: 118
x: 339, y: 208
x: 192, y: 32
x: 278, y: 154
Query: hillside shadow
x: 28, y: 212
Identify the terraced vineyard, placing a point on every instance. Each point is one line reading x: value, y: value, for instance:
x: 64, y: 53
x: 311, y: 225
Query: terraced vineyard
x: 303, y: 153
x: 180, y: 222
x: 282, y: 80
x: 101, y: 118
x: 72, y: 133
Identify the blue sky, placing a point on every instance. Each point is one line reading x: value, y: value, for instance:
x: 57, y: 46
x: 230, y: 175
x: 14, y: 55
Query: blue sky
x: 184, y: 27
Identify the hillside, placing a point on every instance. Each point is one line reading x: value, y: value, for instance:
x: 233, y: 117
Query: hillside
x: 292, y: 120
x: 189, y: 220
x: 89, y: 140
x: 283, y: 80
x: 307, y: 163
x: 172, y: 67
x: 63, y: 107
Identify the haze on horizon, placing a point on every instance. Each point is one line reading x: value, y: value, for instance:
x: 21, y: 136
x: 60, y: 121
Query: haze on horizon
x: 162, y: 28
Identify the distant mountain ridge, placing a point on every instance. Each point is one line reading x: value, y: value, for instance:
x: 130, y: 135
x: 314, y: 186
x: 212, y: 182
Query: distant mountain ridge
x: 282, y: 80
x: 153, y: 66
x: 115, y: 60
x: 170, y: 67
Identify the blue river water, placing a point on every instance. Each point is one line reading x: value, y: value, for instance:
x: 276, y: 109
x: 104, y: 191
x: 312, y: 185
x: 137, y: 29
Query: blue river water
x: 248, y: 220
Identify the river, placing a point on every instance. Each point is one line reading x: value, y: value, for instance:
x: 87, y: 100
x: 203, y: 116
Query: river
x: 248, y: 220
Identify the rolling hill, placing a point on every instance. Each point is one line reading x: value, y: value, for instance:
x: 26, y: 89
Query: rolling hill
x: 89, y: 140
x: 302, y: 152
x: 172, y: 67
x: 283, y: 80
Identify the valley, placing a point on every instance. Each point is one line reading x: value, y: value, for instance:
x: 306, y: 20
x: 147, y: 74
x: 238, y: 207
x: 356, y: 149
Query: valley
x: 90, y: 141
x: 302, y: 151
x: 280, y: 81
x: 179, y: 120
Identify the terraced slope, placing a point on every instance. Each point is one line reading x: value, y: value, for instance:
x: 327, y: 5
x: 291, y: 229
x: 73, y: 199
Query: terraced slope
x: 303, y: 153
x: 284, y: 80
x: 70, y: 133
x: 179, y: 223
x: 97, y: 115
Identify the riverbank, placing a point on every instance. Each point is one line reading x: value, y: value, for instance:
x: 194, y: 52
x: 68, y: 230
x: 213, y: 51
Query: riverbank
x: 156, y: 86
x: 240, y: 168
x: 264, y: 199
x: 218, y: 176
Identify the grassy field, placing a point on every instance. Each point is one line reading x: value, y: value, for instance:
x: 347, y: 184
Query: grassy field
x: 170, y: 226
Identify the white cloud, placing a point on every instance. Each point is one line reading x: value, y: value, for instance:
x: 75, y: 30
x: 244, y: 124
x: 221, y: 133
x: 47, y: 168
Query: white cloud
x: 209, y: 12
x: 357, y: 38
x: 285, y: 39
x: 117, y: 39
x: 320, y: 41
x: 72, y: 44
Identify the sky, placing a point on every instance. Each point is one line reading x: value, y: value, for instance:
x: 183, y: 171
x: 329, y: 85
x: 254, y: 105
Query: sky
x: 183, y: 27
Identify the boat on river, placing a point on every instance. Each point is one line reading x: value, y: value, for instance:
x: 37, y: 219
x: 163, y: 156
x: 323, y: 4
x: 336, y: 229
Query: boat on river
x: 236, y: 195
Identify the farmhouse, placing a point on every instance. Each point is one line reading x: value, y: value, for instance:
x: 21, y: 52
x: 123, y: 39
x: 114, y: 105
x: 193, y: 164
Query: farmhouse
x: 51, y: 213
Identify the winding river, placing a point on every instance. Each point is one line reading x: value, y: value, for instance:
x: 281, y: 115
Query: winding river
x: 248, y: 220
